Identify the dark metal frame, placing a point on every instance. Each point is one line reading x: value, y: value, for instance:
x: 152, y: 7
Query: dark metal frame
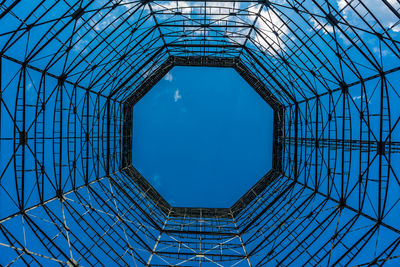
x: 68, y: 67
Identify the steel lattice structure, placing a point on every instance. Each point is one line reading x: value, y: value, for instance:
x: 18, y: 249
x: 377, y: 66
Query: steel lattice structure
x: 71, y: 70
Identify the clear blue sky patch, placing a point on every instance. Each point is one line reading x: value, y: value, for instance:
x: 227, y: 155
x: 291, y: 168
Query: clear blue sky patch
x: 202, y: 137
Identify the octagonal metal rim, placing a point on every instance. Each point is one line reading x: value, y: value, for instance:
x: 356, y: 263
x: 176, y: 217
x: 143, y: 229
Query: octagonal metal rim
x: 149, y: 83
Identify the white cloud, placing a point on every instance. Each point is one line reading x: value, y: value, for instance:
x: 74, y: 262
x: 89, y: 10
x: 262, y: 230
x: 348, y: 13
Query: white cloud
x: 81, y: 45
x: 106, y: 22
x: 168, y: 77
x: 348, y: 7
x: 177, y: 96
x: 128, y: 3
x: 271, y: 30
x: 378, y: 50
x: 221, y: 11
x: 156, y: 180
x: 324, y: 26
x: 102, y: 21
x: 29, y: 86
x: 380, y: 10
x: 171, y: 6
x: 359, y: 97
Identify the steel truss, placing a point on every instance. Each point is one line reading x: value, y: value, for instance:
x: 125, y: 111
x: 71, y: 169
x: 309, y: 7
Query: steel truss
x: 72, y: 70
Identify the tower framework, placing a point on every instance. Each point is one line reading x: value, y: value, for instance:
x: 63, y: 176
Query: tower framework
x: 72, y: 70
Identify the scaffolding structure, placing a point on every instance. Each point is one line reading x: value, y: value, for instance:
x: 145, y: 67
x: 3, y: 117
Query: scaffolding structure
x: 71, y: 71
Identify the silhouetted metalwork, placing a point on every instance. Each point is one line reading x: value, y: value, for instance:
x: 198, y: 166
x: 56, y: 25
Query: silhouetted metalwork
x: 72, y: 70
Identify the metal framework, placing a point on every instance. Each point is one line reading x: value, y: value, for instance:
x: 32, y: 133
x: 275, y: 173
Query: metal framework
x: 72, y: 69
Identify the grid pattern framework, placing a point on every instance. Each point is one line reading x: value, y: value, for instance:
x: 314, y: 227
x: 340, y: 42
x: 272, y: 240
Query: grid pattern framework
x: 69, y: 70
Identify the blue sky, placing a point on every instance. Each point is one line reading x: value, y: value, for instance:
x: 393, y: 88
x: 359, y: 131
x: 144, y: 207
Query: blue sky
x: 205, y: 144
x: 202, y: 137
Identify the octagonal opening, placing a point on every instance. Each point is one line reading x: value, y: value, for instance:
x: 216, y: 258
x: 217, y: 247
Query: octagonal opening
x: 202, y: 137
